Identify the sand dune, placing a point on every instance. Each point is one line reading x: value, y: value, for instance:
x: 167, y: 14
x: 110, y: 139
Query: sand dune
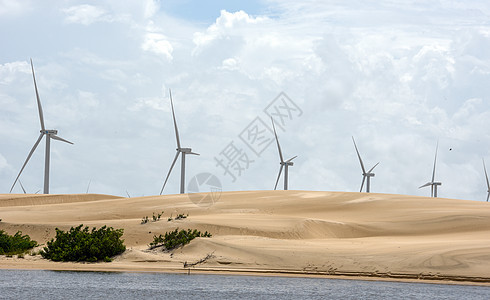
x: 287, y: 232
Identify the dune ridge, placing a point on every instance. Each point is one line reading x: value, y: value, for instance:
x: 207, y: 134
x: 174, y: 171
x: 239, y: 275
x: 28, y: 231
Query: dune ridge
x: 281, y: 232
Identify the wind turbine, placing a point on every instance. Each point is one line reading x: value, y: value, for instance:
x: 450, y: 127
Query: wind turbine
x: 365, y: 175
x: 49, y: 133
x: 88, y: 186
x: 283, y: 163
x: 180, y: 150
x: 432, y: 183
x: 23, y: 189
x: 486, y: 177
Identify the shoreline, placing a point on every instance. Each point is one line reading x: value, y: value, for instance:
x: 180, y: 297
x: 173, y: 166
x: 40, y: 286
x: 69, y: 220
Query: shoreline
x: 45, y: 265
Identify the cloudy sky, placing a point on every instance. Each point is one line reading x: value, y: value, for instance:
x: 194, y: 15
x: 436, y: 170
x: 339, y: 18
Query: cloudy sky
x: 396, y: 75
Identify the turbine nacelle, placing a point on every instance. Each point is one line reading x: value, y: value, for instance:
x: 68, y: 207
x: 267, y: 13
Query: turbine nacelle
x: 49, y: 131
x: 186, y: 151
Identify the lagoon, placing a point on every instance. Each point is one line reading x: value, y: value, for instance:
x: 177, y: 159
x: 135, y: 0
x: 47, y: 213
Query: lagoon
x: 17, y: 284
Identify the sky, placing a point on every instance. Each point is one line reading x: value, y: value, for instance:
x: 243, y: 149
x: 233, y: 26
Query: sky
x: 398, y: 76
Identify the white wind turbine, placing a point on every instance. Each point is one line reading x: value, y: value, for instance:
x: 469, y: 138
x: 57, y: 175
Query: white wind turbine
x: 283, y: 163
x: 432, y: 183
x: 486, y: 177
x: 180, y: 151
x: 24, y: 190
x: 49, y: 133
x: 365, y: 175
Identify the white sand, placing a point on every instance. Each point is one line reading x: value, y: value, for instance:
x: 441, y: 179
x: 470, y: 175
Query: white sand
x: 280, y: 232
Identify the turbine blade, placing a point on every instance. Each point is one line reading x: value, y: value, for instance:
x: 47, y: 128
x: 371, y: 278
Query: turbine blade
x: 427, y: 184
x: 277, y: 140
x: 88, y: 186
x: 435, y: 158
x: 169, y: 171
x: 486, y: 175
x: 488, y: 196
x: 28, y: 157
x: 23, y: 189
x: 193, y: 153
x: 54, y: 136
x: 39, y: 108
x: 291, y: 158
x: 362, y: 184
x: 358, y: 155
x: 370, y: 170
x: 175, y: 122
x: 278, y: 176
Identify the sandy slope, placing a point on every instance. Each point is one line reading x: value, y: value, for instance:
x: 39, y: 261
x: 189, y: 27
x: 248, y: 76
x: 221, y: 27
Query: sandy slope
x: 293, y: 232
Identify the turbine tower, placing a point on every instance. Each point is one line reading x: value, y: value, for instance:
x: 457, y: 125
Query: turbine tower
x: 283, y: 163
x: 432, y: 183
x: 180, y: 151
x: 366, y: 176
x: 49, y: 133
x: 486, y: 177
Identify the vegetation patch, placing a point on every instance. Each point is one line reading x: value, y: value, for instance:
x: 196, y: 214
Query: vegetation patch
x: 15, y: 244
x: 179, y: 217
x: 177, y: 238
x: 84, y: 245
x: 156, y: 217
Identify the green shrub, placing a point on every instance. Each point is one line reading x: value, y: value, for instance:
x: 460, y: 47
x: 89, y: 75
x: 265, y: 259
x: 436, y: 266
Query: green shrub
x: 181, y: 216
x: 15, y: 244
x: 176, y: 238
x: 83, y: 245
x: 157, y: 216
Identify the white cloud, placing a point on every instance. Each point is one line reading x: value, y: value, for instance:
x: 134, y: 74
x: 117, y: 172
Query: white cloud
x: 157, y: 44
x: 226, y: 24
x: 10, y: 71
x: 12, y: 8
x: 85, y: 14
x: 230, y: 64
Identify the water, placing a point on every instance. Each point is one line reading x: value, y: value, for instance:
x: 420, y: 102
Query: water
x: 17, y: 284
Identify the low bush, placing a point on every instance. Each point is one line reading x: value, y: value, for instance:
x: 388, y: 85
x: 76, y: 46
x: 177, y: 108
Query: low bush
x: 15, y: 244
x: 157, y: 216
x: 181, y: 216
x: 83, y: 245
x: 176, y: 238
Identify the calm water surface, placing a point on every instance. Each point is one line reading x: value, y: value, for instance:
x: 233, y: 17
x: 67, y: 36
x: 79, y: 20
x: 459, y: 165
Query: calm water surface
x: 20, y: 284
